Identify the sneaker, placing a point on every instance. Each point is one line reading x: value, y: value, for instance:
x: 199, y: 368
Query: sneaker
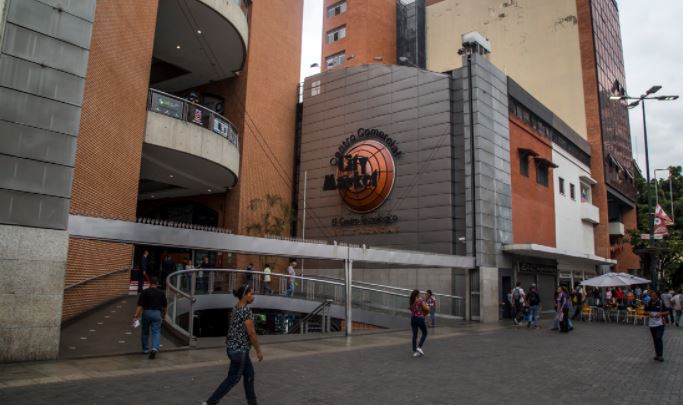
x: 145, y: 352
x: 419, y: 350
x: 416, y: 354
x: 152, y: 354
x: 514, y: 321
x: 659, y: 358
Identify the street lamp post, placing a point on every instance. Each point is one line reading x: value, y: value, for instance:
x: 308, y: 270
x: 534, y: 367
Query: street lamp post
x: 641, y: 100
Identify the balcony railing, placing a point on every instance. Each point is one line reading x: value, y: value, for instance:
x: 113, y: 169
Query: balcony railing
x: 179, y: 108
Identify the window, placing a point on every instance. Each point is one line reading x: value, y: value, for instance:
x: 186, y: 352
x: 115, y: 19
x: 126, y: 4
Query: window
x: 585, y: 193
x: 336, y: 59
x: 541, y: 173
x: 524, y: 164
x: 572, y: 191
x: 561, y: 186
x: 336, y: 9
x: 315, y: 88
x: 336, y: 34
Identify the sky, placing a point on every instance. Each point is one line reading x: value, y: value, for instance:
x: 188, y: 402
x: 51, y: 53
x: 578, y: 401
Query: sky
x: 651, y: 31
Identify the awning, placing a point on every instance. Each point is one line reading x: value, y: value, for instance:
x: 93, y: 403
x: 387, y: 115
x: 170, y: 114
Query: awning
x: 547, y: 252
x: 527, y: 152
x: 588, y: 179
x: 546, y: 162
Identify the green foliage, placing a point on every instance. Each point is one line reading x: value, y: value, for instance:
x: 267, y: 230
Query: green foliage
x: 670, y: 250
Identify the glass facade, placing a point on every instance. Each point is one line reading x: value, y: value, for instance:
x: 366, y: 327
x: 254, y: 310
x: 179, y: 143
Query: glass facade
x: 614, y: 121
x: 410, y: 32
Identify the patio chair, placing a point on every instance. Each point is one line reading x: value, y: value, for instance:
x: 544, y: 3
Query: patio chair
x: 630, y: 314
x: 586, y: 312
x: 640, y: 315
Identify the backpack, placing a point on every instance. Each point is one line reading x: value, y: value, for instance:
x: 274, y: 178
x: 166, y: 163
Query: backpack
x: 516, y: 295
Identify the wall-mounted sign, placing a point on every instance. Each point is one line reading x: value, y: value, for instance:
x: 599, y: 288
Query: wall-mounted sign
x: 365, y: 170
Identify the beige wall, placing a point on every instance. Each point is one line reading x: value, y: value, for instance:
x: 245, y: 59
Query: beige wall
x: 536, y: 42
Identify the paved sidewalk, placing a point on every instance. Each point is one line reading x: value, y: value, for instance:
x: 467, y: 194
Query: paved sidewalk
x: 482, y: 364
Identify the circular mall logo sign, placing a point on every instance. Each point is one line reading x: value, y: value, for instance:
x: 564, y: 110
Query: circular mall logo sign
x: 365, y: 175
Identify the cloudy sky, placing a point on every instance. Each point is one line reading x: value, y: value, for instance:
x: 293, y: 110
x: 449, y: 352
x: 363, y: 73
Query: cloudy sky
x: 651, y: 31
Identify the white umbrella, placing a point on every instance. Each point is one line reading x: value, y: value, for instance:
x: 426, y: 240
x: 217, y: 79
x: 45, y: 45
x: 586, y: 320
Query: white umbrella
x: 614, y: 280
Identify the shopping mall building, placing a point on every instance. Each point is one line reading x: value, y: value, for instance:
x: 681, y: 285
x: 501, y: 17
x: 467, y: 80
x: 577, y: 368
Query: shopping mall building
x: 188, y: 112
x: 537, y: 182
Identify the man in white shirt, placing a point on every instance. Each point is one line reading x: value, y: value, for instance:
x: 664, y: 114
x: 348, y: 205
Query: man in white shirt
x: 292, y: 273
x: 266, y: 280
x: 677, y: 305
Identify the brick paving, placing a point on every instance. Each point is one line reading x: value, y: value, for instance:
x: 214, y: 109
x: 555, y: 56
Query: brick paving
x: 595, y: 364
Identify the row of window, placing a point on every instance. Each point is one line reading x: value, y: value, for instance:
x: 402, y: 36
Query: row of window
x: 336, y: 59
x: 585, y: 191
x: 519, y: 110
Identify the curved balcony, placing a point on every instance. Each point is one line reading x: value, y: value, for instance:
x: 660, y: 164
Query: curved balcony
x: 198, y: 41
x: 188, y: 149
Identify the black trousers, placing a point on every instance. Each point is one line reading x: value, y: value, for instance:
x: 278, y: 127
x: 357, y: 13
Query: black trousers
x: 564, y: 325
x: 657, y: 338
x: 418, y: 323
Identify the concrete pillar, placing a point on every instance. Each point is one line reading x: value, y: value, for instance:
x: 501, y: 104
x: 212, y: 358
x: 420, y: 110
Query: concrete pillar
x: 489, y: 302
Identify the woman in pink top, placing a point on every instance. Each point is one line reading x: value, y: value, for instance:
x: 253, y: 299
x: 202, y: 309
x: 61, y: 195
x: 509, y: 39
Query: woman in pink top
x: 418, y: 310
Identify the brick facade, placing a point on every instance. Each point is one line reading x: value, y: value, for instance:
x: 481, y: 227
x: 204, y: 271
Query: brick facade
x: 533, y: 205
x: 89, y: 258
x: 590, y: 90
x: 110, y: 144
x: 370, y: 32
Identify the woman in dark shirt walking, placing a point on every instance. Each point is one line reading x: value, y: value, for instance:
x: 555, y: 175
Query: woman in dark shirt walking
x: 418, y: 309
x: 241, y: 336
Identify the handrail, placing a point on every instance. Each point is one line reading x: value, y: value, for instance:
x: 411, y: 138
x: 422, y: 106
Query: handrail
x: 89, y: 279
x: 309, y: 291
x: 299, y: 325
x: 390, y: 287
x: 185, y: 110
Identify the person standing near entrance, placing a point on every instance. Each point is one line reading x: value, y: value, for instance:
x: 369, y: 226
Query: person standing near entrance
x: 167, y: 267
x: 656, y: 312
x: 151, y: 309
x: 144, y: 268
x: 266, y: 280
x: 431, y: 303
x: 534, y: 301
x: 666, y: 297
x: 418, y: 310
x: 518, y: 298
x: 291, y: 282
x: 241, y: 336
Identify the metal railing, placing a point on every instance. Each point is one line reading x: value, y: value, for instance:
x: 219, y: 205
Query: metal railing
x: 449, y: 304
x: 185, y: 286
x: 185, y: 110
x: 93, y: 278
x: 321, y: 312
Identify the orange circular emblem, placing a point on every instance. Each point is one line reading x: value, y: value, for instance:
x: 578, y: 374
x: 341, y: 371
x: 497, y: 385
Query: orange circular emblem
x: 369, y: 170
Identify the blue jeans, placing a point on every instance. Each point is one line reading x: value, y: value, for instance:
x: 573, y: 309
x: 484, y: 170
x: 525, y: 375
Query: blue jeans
x: 533, y: 313
x: 432, y: 315
x: 415, y: 323
x: 290, y: 289
x: 240, y: 364
x: 151, y: 318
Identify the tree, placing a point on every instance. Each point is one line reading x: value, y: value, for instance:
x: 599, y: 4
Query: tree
x: 670, y: 250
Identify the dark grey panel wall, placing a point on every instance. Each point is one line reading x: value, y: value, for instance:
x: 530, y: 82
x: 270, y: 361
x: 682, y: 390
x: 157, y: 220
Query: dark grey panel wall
x: 411, y: 106
x: 43, y: 63
x: 492, y: 182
